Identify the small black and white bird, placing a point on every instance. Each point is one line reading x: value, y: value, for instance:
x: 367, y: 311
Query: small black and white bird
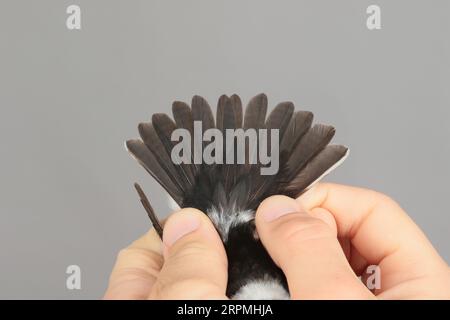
x: 230, y: 193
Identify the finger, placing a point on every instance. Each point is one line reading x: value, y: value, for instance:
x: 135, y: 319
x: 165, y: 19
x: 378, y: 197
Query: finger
x: 195, y: 265
x: 308, y: 252
x: 136, y: 269
x: 357, y: 262
x: 379, y: 230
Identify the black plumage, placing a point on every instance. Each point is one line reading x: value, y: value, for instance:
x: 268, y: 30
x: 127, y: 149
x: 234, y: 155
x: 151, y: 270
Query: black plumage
x: 230, y: 193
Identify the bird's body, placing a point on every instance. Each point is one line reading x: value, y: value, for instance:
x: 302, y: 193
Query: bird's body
x: 230, y: 193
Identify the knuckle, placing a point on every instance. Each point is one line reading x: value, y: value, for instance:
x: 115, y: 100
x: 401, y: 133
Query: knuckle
x: 123, y: 255
x: 388, y: 200
x: 381, y: 198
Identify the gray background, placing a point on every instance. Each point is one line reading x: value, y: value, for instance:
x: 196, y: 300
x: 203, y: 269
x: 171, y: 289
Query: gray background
x: 69, y: 99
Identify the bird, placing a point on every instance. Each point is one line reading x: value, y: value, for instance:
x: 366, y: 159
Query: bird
x: 229, y: 193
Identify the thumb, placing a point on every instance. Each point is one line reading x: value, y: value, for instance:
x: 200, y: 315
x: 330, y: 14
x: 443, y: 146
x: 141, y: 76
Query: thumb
x: 307, y: 250
x: 195, y: 263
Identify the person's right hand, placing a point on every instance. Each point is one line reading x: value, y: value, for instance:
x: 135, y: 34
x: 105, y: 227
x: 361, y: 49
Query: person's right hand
x: 326, y: 238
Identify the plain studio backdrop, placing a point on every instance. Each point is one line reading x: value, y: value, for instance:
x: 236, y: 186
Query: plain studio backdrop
x: 69, y: 100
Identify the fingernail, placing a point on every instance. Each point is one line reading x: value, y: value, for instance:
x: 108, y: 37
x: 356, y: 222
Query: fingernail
x: 179, y: 225
x: 276, y: 208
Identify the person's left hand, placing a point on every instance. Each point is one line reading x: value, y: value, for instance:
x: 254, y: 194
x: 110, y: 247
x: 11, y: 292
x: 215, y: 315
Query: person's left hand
x: 190, y: 263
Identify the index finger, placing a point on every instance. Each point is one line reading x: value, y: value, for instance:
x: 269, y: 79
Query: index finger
x: 379, y: 229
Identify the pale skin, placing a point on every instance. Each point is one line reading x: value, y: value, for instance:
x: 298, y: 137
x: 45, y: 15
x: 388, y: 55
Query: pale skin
x: 322, y: 241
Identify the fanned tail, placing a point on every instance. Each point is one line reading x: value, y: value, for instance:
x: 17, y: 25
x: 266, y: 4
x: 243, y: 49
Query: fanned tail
x: 305, y: 154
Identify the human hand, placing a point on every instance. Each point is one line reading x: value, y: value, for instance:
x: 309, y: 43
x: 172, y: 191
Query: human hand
x: 190, y: 263
x: 344, y: 230
x: 328, y: 236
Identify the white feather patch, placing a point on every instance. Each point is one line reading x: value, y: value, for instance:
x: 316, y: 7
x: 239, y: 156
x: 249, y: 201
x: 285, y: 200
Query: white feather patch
x: 263, y: 289
x: 224, y: 221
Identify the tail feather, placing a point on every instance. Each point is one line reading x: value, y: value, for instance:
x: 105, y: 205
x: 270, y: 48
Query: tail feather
x: 309, y: 145
x: 236, y: 103
x: 145, y: 157
x: 164, y: 126
x: 305, y: 156
x: 227, y: 119
x: 322, y: 164
x: 201, y: 111
x: 300, y: 123
x: 280, y: 117
x: 150, y: 212
x: 183, y: 116
x: 159, y: 152
x: 255, y: 113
